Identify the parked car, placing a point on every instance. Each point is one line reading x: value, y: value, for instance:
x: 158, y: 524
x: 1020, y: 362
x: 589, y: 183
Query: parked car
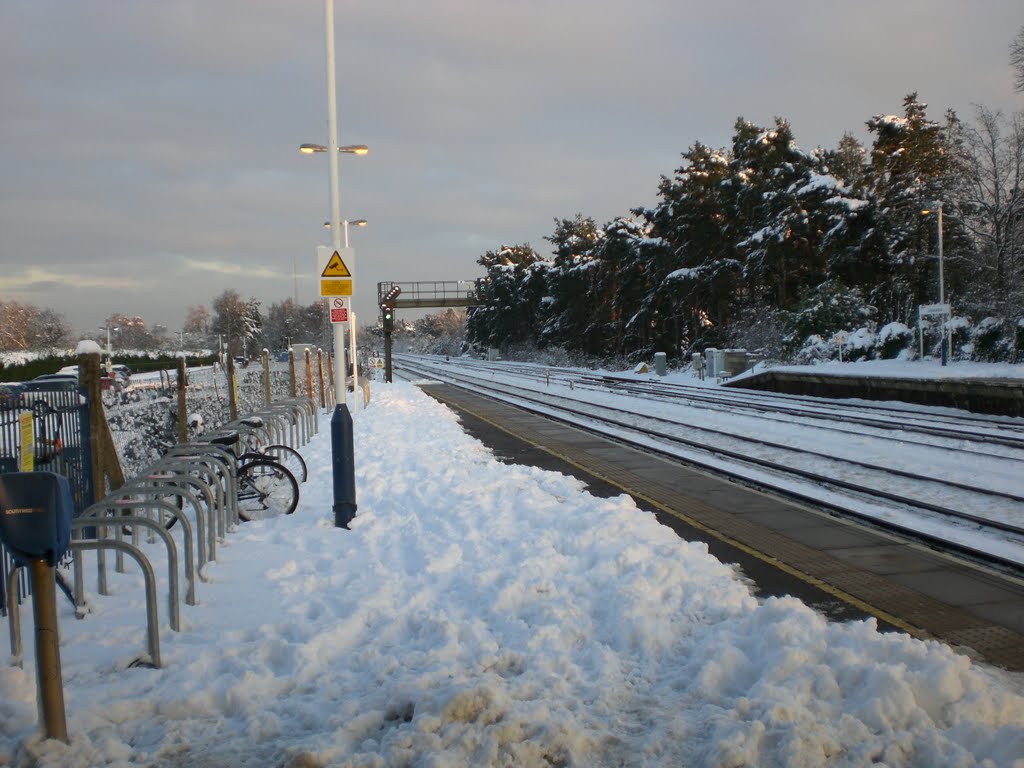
x: 124, y: 370
x: 10, y: 395
x: 55, y: 378
x: 47, y: 389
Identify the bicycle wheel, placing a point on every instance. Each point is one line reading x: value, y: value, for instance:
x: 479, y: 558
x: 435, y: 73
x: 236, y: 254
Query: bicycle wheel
x: 265, y: 489
x: 291, y: 458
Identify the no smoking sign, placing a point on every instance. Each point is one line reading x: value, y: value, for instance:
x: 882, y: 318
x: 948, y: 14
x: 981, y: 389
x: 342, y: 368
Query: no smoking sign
x: 339, y: 309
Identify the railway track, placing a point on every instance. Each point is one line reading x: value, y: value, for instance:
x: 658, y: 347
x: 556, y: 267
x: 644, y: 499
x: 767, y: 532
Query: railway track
x: 926, y: 473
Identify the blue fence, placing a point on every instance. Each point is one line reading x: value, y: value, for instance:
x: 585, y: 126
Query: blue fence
x: 58, y: 422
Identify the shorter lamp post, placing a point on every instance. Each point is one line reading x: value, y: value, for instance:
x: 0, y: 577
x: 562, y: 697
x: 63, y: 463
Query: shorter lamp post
x: 346, y: 224
x: 936, y: 206
x: 351, y: 149
x: 110, y: 355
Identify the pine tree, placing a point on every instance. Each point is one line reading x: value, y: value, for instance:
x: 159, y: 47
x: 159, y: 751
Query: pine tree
x: 569, y: 305
x: 689, y: 259
x: 511, y: 293
x: 779, y: 192
x: 910, y: 166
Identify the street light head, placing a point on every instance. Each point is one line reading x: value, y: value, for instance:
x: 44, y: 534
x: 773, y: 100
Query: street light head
x: 931, y: 207
x: 350, y: 149
x: 356, y: 223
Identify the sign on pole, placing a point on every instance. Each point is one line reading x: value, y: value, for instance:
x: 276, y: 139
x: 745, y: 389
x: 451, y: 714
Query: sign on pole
x: 338, y: 307
x: 336, y: 268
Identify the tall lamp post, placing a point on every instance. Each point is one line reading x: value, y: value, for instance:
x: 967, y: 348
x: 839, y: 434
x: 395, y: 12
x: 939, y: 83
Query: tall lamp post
x: 929, y: 208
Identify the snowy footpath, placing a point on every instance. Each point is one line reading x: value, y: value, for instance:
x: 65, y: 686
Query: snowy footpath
x: 480, y: 614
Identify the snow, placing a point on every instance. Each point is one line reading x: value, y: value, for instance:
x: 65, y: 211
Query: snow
x: 484, y: 614
x: 88, y: 347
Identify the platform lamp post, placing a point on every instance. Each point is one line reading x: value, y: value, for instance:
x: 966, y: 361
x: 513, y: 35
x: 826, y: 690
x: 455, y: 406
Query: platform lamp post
x: 342, y: 450
x: 936, y: 207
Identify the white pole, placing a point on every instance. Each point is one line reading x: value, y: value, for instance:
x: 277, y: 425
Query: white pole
x: 332, y: 159
x: 352, y: 353
x: 942, y: 298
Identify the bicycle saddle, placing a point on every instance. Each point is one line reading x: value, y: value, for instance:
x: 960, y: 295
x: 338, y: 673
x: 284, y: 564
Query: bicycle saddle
x: 226, y: 438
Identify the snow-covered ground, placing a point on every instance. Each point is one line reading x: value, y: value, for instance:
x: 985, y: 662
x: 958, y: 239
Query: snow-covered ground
x: 480, y: 614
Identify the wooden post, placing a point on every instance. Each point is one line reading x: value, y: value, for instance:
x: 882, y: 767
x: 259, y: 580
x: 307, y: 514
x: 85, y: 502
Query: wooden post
x: 292, y: 384
x: 232, y: 402
x: 266, y: 376
x: 106, y: 467
x: 182, y: 403
x: 320, y: 367
x: 309, y: 376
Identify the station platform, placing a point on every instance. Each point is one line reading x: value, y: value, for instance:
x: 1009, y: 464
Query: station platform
x: 845, y: 569
x: 1002, y: 397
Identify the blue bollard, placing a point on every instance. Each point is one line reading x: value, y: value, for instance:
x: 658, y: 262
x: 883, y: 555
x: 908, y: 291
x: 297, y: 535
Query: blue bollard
x: 344, y: 464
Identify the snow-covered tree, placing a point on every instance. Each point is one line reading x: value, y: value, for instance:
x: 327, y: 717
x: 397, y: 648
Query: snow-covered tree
x: 690, y: 258
x: 569, y: 302
x: 911, y: 165
x: 25, y: 327
x: 512, y: 292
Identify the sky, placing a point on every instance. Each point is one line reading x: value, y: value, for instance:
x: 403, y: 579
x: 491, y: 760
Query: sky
x: 481, y: 614
x: 149, y: 149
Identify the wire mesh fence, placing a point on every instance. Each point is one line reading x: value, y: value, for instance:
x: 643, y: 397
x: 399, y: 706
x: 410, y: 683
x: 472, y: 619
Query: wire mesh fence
x: 144, y: 422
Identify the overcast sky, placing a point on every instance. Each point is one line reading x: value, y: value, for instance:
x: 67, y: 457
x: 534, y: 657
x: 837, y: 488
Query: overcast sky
x: 148, y: 150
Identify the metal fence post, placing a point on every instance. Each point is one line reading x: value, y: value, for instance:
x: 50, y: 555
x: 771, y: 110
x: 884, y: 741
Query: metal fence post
x: 182, y: 403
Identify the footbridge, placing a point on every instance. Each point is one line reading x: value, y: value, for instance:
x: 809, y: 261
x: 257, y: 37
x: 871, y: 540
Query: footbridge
x: 434, y: 293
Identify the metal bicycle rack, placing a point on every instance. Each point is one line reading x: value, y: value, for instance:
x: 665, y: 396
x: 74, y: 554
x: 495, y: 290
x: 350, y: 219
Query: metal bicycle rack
x: 152, y: 625
x: 204, y: 475
x: 178, y: 472
x: 108, y: 514
x: 220, y: 464
x: 173, y: 613
x: 160, y: 485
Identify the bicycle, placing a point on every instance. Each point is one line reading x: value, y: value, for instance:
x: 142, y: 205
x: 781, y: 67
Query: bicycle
x: 265, y: 487
x: 282, y: 454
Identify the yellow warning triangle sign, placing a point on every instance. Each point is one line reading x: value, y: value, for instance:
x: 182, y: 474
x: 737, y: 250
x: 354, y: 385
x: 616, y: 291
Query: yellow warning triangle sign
x: 336, y: 267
